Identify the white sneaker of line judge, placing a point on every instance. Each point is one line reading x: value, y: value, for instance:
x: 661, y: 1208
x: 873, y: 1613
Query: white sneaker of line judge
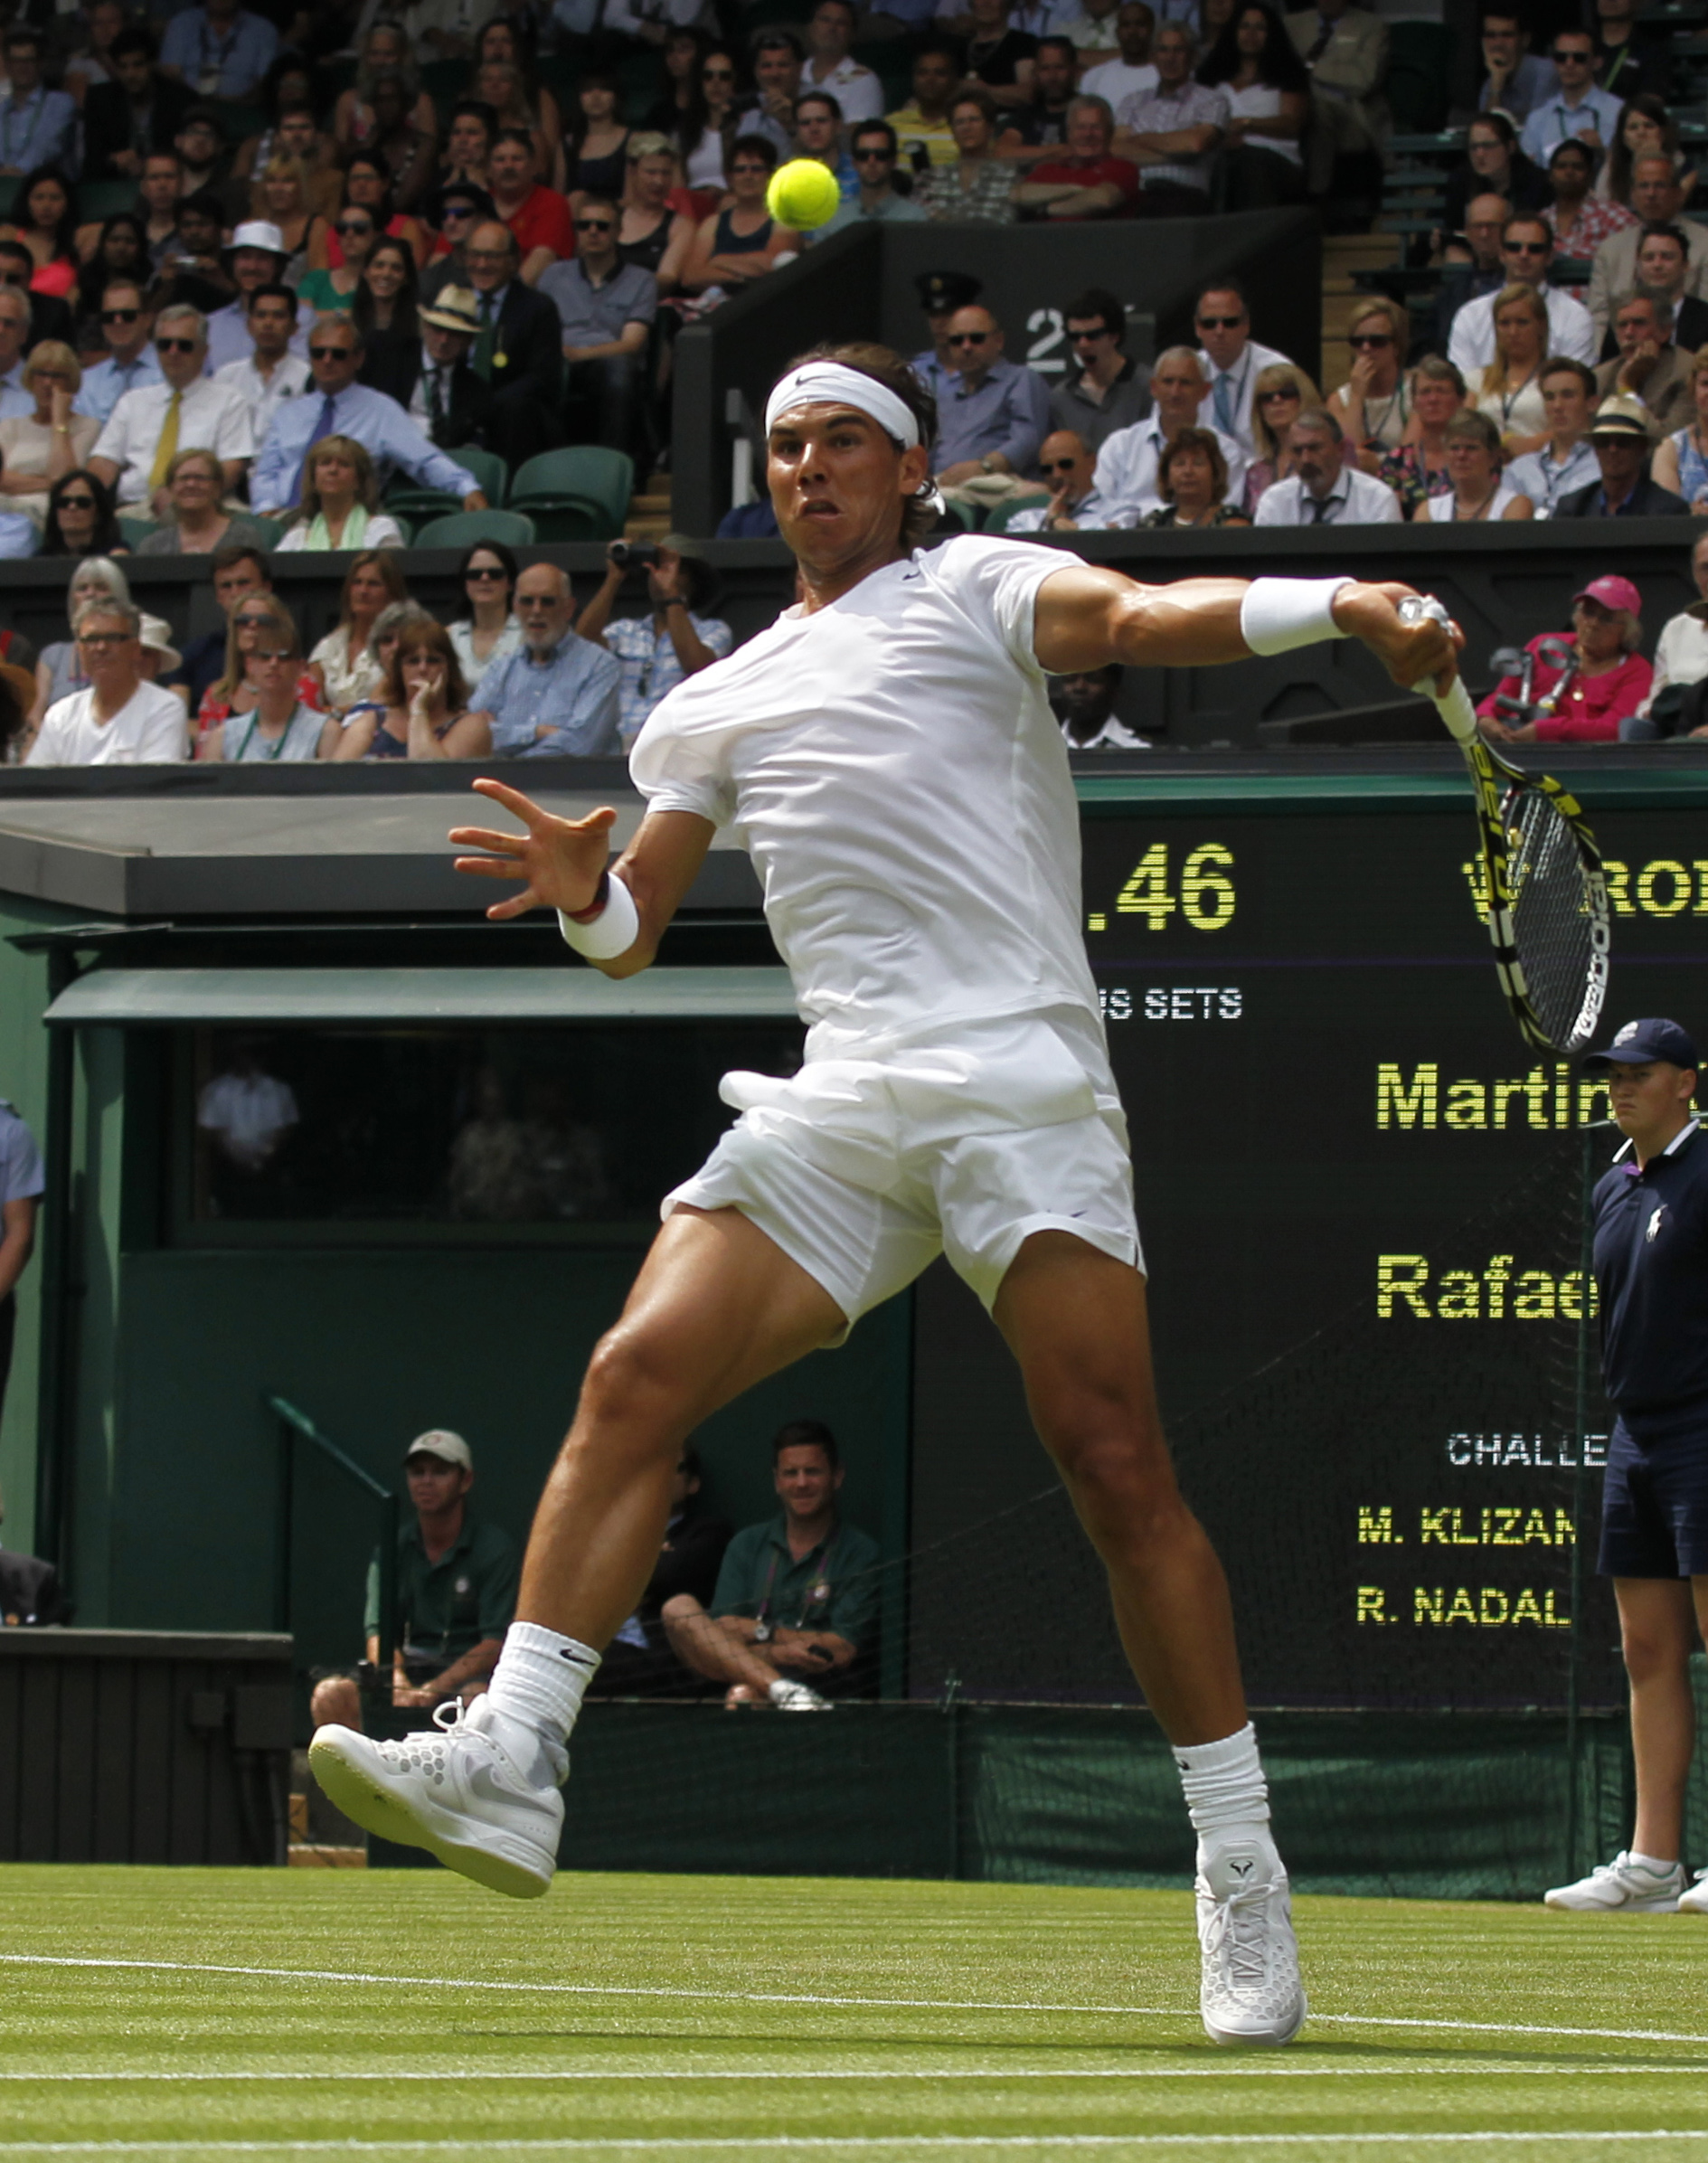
x: 485, y: 1803
x: 1696, y: 1902
x: 1625, y: 1887
x: 796, y: 1697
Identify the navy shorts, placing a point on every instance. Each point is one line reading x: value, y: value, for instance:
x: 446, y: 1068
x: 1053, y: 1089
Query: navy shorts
x: 1655, y: 1498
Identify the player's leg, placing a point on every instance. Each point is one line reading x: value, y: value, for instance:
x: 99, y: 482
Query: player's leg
x: 1076, y: 1320
x: 718, y: 1306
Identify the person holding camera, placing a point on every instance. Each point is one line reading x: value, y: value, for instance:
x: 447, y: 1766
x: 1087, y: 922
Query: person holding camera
x: 675, y: 640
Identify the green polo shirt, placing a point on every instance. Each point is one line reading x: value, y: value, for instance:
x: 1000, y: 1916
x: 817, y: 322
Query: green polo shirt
x: 833, y: 1587
x: 446, y: 1608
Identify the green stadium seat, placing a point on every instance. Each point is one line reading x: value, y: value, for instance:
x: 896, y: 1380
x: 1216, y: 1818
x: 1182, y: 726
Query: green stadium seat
x: 602, y: 477
x: 462, y: 529
x: 135, y: 529
x: 271, y: 530
x: 998, y: 520
x: 970, y: 518
x: 572, y: 518
x: 403, y: 500
x: 8, y: 193
x: 98, y: 199
x: 488, y: 469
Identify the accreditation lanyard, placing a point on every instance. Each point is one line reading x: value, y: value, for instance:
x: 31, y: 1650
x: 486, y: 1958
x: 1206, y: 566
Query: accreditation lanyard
x: 273, y: 750
x: 817, y: 1594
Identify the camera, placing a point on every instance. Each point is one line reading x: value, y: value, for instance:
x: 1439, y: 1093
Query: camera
x: 633, y: 555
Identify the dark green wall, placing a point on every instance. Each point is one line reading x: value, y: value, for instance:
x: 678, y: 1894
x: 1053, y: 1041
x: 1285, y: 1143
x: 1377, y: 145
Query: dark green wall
x: 375, y: 1346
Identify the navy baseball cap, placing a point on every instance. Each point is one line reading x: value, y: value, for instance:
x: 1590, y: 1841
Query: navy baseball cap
x: 1635, y: 1042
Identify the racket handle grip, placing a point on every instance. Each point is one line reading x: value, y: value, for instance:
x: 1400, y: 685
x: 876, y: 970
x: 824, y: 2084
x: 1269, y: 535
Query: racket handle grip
x: 1455, y: 709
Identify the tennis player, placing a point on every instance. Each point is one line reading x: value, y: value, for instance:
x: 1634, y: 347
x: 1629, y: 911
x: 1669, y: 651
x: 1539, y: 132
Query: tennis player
x: 886, y: 754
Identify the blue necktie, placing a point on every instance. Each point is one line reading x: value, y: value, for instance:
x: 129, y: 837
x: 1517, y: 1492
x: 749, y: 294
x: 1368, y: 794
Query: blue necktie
x: 323, y: 427
x: 1225, y: 404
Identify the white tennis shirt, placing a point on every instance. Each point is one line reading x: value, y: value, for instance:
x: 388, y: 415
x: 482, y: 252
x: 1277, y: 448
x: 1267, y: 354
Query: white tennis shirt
x: 892, y: 766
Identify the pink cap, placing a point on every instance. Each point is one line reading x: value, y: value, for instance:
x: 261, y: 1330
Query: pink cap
x: 1613, y: 593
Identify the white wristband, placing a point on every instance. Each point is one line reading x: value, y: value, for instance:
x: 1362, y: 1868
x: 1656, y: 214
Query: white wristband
x: 611, y: 932
x: 1278, y: 614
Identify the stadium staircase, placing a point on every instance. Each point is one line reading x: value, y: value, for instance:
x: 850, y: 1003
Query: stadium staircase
x: 648, y: 516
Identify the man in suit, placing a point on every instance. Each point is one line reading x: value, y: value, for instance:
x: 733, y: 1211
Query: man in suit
x: 139, y: 110
x: 451, y: 405
x: 1621, y: 437
x: 1657, y: 198
x: 518, y: 351
x: 1345, y: 48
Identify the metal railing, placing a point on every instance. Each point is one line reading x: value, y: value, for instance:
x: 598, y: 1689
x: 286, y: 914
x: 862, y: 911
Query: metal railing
x: 296, y: 1426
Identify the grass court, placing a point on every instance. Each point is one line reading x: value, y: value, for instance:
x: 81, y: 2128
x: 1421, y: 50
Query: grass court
x: 203, y: 2014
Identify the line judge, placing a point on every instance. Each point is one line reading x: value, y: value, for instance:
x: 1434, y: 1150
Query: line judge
x: 887, y: 753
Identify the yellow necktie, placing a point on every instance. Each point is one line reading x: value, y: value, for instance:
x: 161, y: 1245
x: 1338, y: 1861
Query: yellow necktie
x: 168, y: 449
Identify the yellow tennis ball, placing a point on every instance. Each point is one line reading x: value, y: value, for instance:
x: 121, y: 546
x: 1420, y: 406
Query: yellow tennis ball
x: 803, y: 195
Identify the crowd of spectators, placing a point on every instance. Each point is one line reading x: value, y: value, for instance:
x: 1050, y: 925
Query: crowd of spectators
x: 366, y: 281
x: 521, y: 674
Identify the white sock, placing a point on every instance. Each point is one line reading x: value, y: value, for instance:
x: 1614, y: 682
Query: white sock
x: 1227, y: 1796
x: 535, y: 1696
x: 1649, y: 1862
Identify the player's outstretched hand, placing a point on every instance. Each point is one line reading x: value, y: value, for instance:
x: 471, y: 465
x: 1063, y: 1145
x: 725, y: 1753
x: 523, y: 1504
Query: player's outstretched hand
x: 1409, y: 651
x: 560, y: 858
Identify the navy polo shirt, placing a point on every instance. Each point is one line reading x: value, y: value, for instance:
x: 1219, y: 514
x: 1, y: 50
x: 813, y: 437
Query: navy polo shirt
x: 1651, y: 1269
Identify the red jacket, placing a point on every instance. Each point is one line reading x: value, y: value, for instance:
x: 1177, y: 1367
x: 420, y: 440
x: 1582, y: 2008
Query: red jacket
x: 1592, y: 711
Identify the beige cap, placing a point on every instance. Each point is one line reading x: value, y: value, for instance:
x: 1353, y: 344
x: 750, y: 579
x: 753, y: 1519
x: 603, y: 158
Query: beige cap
x: 440, y: 1442
x: 155, y: 635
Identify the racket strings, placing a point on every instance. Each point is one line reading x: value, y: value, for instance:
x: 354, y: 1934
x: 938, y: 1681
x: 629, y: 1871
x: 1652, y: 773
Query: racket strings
x: 1554, y: 919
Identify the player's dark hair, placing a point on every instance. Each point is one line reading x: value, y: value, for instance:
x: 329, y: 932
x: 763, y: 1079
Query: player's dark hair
x: 919, y: 515
x: 806, y: 1435
x: 863, y: 128
x: 282, y: 293
x: 1097, y: 304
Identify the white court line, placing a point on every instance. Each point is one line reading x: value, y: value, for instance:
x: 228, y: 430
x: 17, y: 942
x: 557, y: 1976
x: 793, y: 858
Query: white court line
x: 851, y: 2143
x: 782, y: 1998
x: 1491, y: 2069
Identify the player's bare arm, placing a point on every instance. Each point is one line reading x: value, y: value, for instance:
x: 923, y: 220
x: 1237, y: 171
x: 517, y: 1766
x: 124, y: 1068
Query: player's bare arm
x: 564, y: 862
x: 1087, y: 616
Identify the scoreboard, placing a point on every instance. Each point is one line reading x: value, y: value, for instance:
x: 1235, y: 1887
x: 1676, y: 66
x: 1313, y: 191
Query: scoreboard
x: 1359, y: 1192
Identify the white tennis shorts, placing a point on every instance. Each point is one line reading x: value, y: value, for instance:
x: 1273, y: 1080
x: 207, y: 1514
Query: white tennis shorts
x: 864, y: 1169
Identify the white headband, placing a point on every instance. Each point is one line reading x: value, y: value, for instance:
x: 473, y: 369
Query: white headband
x: 829, y: 382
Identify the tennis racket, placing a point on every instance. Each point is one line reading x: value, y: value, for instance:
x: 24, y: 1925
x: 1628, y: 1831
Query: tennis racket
x: 1546, y: 894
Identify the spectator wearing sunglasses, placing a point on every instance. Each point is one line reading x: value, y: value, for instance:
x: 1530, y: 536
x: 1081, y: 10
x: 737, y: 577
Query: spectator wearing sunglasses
x: 1068, y: 464
x: 333, y: 291
x: 339, y: 405
x: 80, y: 518
x: 1526, y: 251
x: 874, y: 156
x: 992, y: 417
x: 1373, y: 406
x: 1231, y: 360
x: 1104, y: 389
x: 187, y: 410
x: 454, y: 212
x: 605, y: 309
x: 1577, y: 107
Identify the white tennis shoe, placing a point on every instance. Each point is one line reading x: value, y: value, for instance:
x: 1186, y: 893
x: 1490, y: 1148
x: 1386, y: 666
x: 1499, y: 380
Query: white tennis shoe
x: 453, y: 1789
x: 1250, y: 1993
x: 796, y: 1697
x: 1695, y: 1901
x: 1622, y: 1887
